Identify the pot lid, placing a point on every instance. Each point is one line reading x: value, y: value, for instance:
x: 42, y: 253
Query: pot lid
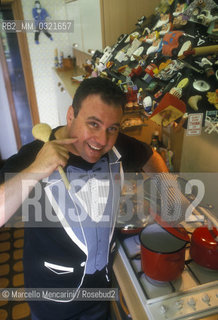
x: 177, y: 230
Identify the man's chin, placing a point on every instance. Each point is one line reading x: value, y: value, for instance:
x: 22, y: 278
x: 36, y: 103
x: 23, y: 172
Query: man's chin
x: 93, y: 156
x: 91, y: 160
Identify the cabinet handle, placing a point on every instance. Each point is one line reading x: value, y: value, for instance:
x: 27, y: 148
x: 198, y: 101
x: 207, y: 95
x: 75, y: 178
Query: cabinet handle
x: 62, y: 89
x: 123, y: 304
x: 59, y: 84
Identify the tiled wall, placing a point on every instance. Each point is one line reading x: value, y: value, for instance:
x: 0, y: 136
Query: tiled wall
x: 42, y: 59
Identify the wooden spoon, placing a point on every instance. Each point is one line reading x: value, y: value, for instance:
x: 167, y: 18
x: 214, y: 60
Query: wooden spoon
x: 42, y: 131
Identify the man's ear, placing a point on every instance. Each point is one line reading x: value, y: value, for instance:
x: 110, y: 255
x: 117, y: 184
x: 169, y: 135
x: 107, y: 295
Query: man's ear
x: 70, y: 115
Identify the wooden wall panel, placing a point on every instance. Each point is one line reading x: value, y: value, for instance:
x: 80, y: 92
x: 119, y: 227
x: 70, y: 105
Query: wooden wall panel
x: 10, y: 97
x: 120, y: 16
x: 26, y: 63
x: 5, y: 2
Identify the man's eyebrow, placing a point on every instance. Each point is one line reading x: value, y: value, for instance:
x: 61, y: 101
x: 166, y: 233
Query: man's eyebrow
x: 98, y: 120
x: 94, y: 118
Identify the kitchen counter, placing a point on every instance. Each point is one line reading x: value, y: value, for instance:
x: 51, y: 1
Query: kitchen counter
x: 66, y: 77
x: 124, y: 279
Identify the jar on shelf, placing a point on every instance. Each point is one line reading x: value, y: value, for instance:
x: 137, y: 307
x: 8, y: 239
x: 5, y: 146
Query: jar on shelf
x: 155, y: 141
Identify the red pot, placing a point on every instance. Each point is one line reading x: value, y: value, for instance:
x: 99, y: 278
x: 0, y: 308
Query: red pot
x: 162, y: 254
x: 204, y: 247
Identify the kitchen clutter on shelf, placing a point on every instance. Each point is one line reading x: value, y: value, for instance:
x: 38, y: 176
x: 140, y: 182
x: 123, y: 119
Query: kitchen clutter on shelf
x: 167, y: 65
x: 62, y: 63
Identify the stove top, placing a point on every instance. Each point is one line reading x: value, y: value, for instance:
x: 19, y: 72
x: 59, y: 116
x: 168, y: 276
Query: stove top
x: 193, y: 295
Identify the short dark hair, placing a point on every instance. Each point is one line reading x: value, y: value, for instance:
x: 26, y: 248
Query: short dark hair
x: 38, y: 2
x: 108, y: 91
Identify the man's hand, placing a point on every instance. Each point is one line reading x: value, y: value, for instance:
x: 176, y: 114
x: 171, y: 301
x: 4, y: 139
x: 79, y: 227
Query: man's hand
x: 53, y: 154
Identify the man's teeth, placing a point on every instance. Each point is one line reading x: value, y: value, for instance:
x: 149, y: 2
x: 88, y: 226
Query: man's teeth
x: 95, y: 148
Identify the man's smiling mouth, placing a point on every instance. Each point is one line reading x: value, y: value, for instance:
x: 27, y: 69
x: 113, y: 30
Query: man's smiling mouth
x: 94, y: 147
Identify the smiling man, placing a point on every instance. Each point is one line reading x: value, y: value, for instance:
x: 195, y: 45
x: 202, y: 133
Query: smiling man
x: 73, y: 250
x: 96, y: 125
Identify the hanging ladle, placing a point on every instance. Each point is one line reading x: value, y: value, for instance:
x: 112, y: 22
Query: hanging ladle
x: 42, y: 131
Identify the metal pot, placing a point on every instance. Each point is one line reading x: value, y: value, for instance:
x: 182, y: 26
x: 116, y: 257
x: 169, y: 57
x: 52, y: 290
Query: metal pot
x: 133, y: 226
x: 162, y: 254
x: 204, y: 247
x: 131, y: 229
x: 133, y: 215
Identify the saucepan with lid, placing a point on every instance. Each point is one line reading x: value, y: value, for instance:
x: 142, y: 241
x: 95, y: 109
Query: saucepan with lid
x: 163, y: 242
x: 204, y: 247
x: 163, y: 251
x: 204, y: 241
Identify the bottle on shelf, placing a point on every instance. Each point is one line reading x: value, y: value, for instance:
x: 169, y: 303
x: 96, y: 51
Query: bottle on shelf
x: 61, y: 60
x: 56, y: 62
x: 155, y: 141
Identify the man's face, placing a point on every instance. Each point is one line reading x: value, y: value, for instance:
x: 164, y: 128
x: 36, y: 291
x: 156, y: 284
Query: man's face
x: 96, y: 126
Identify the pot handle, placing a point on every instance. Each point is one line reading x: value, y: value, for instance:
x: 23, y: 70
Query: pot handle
x: 210, y: 217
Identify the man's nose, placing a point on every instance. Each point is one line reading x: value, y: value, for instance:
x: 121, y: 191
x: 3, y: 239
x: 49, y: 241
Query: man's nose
x: 102, y: 137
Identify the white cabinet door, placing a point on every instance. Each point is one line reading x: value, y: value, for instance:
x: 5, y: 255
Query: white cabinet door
x: 73, y: 13
x: 64, y: 99
x: 91, y: 24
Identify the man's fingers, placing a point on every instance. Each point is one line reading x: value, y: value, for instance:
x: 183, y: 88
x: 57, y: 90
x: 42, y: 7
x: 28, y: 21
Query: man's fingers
x: 66, y: 141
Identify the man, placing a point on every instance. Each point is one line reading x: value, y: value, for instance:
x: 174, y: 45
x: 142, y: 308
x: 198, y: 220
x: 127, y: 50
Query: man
x: 40, y: 15
x: 70, y: 241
